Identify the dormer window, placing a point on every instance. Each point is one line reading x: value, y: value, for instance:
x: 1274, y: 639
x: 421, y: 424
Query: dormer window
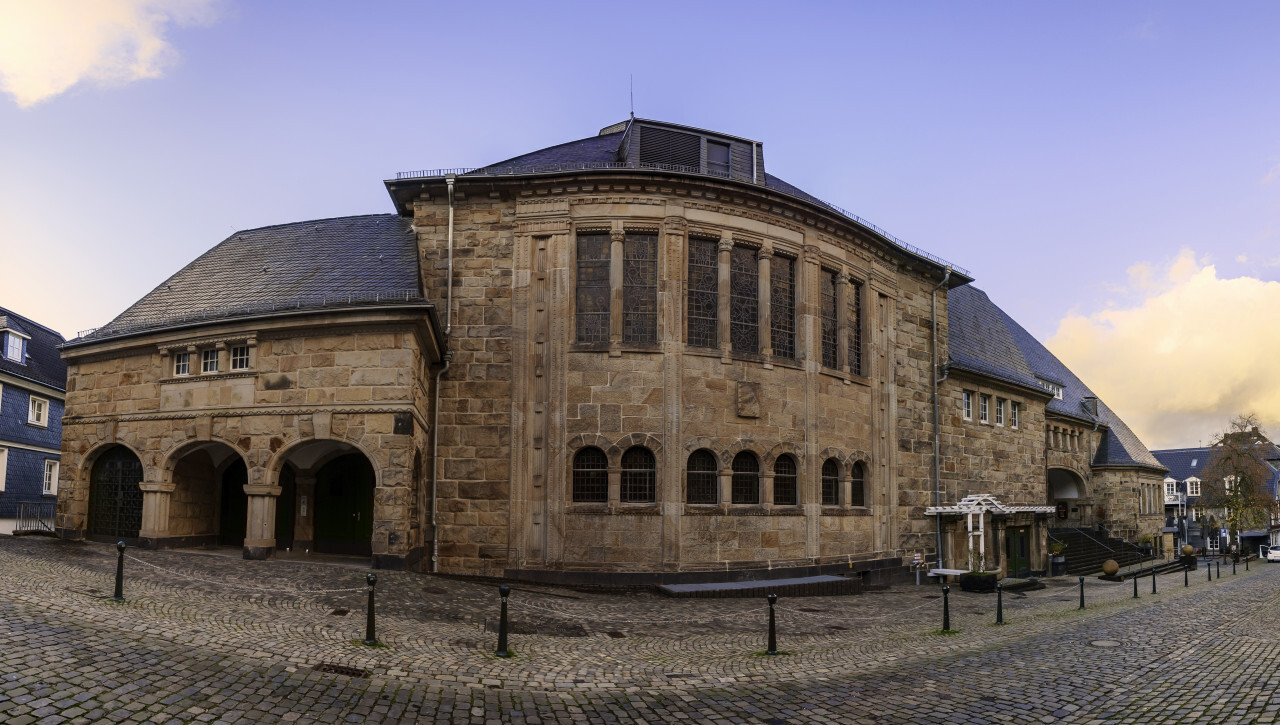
x: 718, y: 158
x: 13, y: 347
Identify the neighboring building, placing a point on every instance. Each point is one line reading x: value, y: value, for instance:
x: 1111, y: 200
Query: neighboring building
x: 33, y: 381
x: 652, y: 359
x: 1190, y: 521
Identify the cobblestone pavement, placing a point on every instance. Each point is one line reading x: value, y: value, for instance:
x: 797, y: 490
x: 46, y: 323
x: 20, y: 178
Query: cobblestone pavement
x: 210, y: 638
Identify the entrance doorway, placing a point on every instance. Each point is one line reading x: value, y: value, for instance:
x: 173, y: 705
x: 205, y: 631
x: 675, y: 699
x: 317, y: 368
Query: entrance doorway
x: 344, y: 506
x: 233, y: 507
x: 1017, y: 551
x: 115, y: 499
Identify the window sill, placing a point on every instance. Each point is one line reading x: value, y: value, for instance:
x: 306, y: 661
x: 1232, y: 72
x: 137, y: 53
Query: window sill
x: 208, y: 376
x: 842, y: 511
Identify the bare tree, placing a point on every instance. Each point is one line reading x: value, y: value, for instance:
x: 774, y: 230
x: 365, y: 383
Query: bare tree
x: 1236, y: 475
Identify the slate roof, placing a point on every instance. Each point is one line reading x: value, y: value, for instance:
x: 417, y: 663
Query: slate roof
x: 1184, y: 463
x: 319, y: 263
x: 984, y: 339
x: 43, y: 363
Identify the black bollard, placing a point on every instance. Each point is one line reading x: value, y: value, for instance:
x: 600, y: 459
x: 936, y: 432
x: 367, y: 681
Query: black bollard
x: 1208, y: 570
x: 503, y: 591
x: 369, y: 637
x: 1135, y: 585
x: 1233, y: 567
x: 1246, y: 563
x: 1153, y: 580
x: 1081, y: 591
x: 1219, y: 563
x: 999, y: 602
x: 119, y: 595
x: 773, y: 634
x: 946, y: 609
x: 1186, y: 581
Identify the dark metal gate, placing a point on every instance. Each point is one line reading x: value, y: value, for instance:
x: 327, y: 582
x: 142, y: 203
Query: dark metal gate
x: 115, y: 500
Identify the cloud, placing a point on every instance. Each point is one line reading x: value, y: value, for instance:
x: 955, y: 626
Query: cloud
x: 1272, y: 174
x: 1190, y: 353
x: 48, y: 46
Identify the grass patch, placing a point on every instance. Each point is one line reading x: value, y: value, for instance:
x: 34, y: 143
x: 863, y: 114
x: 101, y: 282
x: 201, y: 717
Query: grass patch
x: 379, y: 645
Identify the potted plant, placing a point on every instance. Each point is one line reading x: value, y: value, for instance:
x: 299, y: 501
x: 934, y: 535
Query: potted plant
x: 1144, y: 542
x: 1057, y: 559
x: 1056, y: 549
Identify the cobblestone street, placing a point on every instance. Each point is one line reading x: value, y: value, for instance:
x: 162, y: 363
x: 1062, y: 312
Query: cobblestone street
x: 207, y: 637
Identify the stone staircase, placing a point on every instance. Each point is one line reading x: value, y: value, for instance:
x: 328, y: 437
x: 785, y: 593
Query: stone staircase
x: 1087, y: 549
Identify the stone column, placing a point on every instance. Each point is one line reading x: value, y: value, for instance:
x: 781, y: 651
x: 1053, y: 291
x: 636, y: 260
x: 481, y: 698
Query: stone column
x: 615, y: 487
x: 765, y: 285
x: 155, y: 513
x: 723, y: 294
x: 615, y: 292
x: 304, y: 523
x: 726, y: 488
x: 766, y: 489
x: 260, y: 533
x: 224, y: 357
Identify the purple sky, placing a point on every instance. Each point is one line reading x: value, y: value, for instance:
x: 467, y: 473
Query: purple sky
x: 1066, y: 154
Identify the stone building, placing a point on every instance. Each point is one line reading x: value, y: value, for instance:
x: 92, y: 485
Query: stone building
x: 635, y: 356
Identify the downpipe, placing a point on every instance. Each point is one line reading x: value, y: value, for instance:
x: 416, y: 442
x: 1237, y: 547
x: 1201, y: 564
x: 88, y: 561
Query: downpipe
x: 937, y: 464
x: 435, y: 406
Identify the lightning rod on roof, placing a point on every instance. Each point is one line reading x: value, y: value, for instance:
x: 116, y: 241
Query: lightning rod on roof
x: 633, y: 94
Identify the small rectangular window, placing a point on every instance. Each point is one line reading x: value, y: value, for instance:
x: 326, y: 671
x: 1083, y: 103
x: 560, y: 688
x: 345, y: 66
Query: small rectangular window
x: 967, y: 403
x: 1193, y: 487
x: 718, y: 158
x: 50, y: 477
x: 208, y: 361
x: 999, y: 411
x: 984, y: 408
x: 1014, y: 407
x: 38, y: 414
x: 13, y: 347
x: 182, y: 363
x: 240, y: 357
x: 1170, y: 488
x: 4, y: 465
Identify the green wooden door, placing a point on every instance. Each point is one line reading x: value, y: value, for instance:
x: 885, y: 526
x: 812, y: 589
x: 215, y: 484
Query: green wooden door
x: 1017, y: 547
x: 344, y: 506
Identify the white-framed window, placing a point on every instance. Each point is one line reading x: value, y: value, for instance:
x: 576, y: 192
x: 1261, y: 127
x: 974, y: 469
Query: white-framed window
x: 1228, y: 483
x: 240, y: 357
x: 50, y: 477
x: 984, y: 408
x: 966, y: 403
x: 182, y: 363
x: 13, y: 347
x: 4, y: 465
x: 1193, y: 487
x: 1014, y: 408
x: 38, y: 413
x: 208, y: 361
x: 1170, y: 487
x: 999, y: 411
x: 1212, y: 543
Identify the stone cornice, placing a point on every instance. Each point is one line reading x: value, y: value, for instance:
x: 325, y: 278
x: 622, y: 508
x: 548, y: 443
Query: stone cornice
x: 246, y: 412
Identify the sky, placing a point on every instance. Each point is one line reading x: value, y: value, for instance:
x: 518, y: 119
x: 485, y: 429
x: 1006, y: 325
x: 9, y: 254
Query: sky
x: 1108, y: 172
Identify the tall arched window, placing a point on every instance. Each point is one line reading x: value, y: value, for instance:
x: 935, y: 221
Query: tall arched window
x: 701, y: 484
x: 857, y: 485
x: 784, y: 482
x: 830, y: 482
x: 590, y: 476
x: 746, y: 478
x: 639, y: 479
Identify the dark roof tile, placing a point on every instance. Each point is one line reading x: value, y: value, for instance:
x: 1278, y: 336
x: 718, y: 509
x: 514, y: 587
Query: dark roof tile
x: 43, y: 364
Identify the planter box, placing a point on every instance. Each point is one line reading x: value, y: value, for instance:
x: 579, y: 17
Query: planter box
x: 985, y: 582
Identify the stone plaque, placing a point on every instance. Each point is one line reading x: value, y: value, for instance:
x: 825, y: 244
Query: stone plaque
x: 748, y: 400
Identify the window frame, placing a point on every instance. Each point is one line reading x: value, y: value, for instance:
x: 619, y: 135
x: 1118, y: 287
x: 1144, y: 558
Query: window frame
x: 966, y: 404
x: 579, y: 474
x: 829, y: 318
x: 181, y: 364
x: 713, y: 473
x: 40, y: 419
x: 588, y: 334
x: 702, y: 288
x: 794, y: 480
x: 858, y: 484
x: 1000, y: 411
x: 4, y: 466
x: 626, y: 485
x: 984, y: 408
x: 237, y: 356
x: 1014, y: 408
x: 11, y: 340
x: 209, y: 361
x: 830, y: 483
x: 714, y: 168
x: 49, y: 485
x: 735, y: 486
x: 1193, y: 482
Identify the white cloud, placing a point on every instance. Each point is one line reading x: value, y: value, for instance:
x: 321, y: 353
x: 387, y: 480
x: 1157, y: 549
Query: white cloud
x: 48, y: 46
x: 1192, y: 352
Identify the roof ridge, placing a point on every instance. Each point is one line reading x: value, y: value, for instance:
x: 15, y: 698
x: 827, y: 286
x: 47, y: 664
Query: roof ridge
x: 548, y: 148
x: 24, y: 318
x: 307, y: 221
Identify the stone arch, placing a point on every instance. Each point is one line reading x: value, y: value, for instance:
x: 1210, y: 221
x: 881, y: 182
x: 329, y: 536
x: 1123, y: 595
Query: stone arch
x: 1064, y: 483
x: 832, y: 452
x: 643, y: 440
x: 85, y: 469
x: 280, y: 457
x: 728, y: 453
x: 592, y: 440
x: 796, y: 451
x: 204, y: 479
x: 170, y: 457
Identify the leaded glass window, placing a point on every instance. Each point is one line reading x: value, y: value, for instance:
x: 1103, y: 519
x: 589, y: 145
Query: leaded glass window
x: 855, y: 328
x: 701, y: 478
x: 590, y: 476
x: 830, y: 358
x: 782, y: 306
x: 744, y: 300
x: 746, y: 478
x: 593, y: 288
x: 784, y: 482
x: 640, y: 288
x: 830, y: 482
x: 639, y: 476
x: 857, y: 485
x: 703, y: 298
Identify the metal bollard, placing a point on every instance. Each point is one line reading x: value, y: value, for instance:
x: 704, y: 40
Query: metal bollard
x: 1186, y: 581
x: 503, y: 591
x: 1233, y: 567
x: 946, y: 609
x: 1081, y: 591
x: 1135, y: 585
x: 1246, y: 563
x: 1219, y: 563
x: 1153, y: 580
x: 369, y: 636
x: 773, y: 634
x: 999, y: 602
x: 119, y: 595
x: 1208, y: 570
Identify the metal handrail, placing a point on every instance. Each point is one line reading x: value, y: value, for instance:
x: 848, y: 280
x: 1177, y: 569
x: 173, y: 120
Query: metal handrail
x: 677, y: 168
x: 35, y: 518
x: 308, y: 302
